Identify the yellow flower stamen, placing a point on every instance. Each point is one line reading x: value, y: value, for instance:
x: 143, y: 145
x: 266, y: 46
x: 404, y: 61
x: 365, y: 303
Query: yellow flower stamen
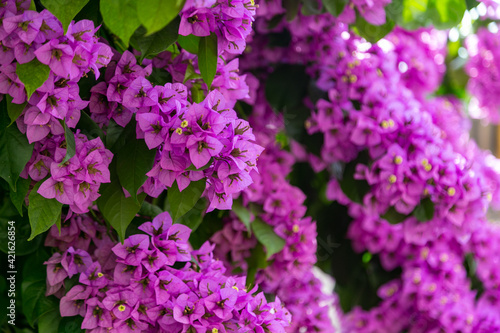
x: 184, y: 123
x: 121, y: 308
x: 398, y: 160
x: 452, y: 191
x: 178, y: 130
x: 392, y: 179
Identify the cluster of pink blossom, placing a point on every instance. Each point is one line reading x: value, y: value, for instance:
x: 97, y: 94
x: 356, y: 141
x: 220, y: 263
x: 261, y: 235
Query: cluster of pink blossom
x: 207, y: 136
x: 137, y: 289
x: 484, y: 74
x: 428, y: 186
x: 274, y: 201
x: 230, y: 20
x: 26, y: 35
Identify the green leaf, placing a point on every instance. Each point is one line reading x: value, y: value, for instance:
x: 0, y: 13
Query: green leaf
x: 64, y: 10
x: 286, y: 86
x: 118, y: 210
x: 189, y: 43
x: 69, y: 137
x: 393, y: 217
x: 450, y: 12
x: 23, y: 230
x: 133, y: 161
x: 14, y: 110
x: 354, y: 189
x: 311, y: 7
x: 292, y: 9
x: 18, y: 196
x: 190, y: 74
x: 151, y: 45
x: 197, y: 94
x: 370, y: 32
x: 256, y: 261
x: 113, y: 133
x: 425, y: 210
x: 70, y: 325
x: 88, y: 127
x: 335, y: 7
x: 34, y: 302
x: 15, y: 150
x: 442, y: 14
x: 156, y: 14
x: 120, y: 16
x: 207, y: 58
x: 42, y: 212
x: 267, y: 237
x: 159, y: 76
x: 182, y: 202
x: 32, y: 74
x: 148, y: 209
x: 242, y: 213
x: 194, y: 217
x: 49, y: 322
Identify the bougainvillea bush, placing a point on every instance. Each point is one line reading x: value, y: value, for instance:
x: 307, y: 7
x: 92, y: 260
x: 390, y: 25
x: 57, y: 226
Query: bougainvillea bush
x: 248, y: 166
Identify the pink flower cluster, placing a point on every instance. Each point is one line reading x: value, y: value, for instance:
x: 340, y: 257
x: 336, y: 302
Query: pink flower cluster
x: 194, y: 140
x: 230, y: 20
x: 136, y: 288
x: 26, y: 35
x: 484, y: 74
x: 274, y: 201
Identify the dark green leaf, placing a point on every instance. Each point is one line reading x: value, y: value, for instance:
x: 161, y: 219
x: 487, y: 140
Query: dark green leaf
x: 394, y: 217
x: 69, y: 137
x: 354, y: 189
x: 159, y: 76
x: 471, y: 4
x: 267, y: 237
x: 194, y: 217
x: 32, y: 74
x: 189, y: 43
x: 335, y: 7
x: 49, y: 322
x: 118, y: 210
x: 113, y: 133
x: 64, y: 10
x: 256, y: 261
x: 23, y: 230
x: 14, y: 110
x: 151, y: 45
x: 286, y: 86
x: 43, y: 213
x: 148, y: 209
x: 370, y: 32
x: 15, y: 150
x: 182, y: 202
x: 207, y: 58
x: 70, y: 325
x: 88, y: 127
x: 156, y: 14
x: 34, y: 302
x: 242, y: 213
x: 197, y: 94
x: 133, y: 160
x: 311, y: 7
x: 292, y: 8
x: 17, y: 197
x: 120, y: 16
x: 91, y: 12
x: 424, y: 211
